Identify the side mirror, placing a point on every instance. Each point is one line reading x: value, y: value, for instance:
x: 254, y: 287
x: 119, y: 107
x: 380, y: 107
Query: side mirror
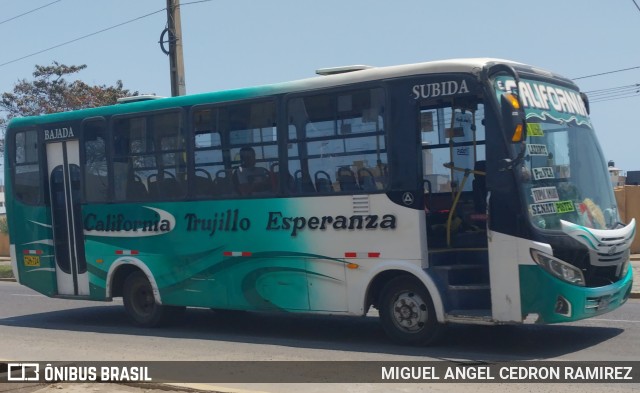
x: 513, y: 117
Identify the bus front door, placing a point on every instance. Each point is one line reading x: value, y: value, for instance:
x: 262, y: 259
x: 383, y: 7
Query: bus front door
x: 63, y: 162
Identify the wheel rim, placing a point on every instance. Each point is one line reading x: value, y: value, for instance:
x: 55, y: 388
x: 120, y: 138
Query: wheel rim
x: 410, y: 312
x: 143, y: 301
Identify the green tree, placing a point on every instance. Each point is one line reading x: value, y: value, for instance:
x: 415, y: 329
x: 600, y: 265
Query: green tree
x: 51, y: 92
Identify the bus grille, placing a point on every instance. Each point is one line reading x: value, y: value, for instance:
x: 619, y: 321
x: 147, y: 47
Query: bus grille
x: 597, y: 304
x: 610, y: 258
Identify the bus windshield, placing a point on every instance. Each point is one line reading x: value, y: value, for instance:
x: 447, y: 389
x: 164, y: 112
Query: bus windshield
x: 563, y: 174
x: 564, y: 177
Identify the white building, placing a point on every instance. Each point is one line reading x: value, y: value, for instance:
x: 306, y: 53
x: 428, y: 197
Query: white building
x: 618, y: 177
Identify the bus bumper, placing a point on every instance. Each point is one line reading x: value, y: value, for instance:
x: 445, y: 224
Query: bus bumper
x: 556, y: 301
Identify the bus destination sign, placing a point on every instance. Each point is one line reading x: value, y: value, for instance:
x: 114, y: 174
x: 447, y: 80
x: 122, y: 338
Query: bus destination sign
x: 58, y: 133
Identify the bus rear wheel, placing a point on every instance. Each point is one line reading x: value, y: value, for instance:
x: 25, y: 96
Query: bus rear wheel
x: 141, y: 305
x: 407, y: 312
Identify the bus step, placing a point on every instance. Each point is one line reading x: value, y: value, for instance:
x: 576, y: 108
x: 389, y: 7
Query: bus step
x: 461, y: 275
x: 451, y: 257
x: 469, y: 287
x: 458, y: 267
x: 470, y: 316
x: 468, y: 297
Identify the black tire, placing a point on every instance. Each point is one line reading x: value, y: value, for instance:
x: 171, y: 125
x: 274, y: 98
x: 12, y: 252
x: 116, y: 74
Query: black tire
x: 141, y: 306
x: 407, y: 312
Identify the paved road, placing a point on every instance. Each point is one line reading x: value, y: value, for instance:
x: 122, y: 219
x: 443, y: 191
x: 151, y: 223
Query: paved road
x: 34, y: 327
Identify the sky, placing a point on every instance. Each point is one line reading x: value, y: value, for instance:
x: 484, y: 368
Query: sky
x: 238, y: 43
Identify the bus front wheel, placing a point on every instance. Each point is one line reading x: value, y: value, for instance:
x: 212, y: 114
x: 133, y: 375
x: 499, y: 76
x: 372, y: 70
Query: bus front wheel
x: 407, y: 312
x: 141, y: 306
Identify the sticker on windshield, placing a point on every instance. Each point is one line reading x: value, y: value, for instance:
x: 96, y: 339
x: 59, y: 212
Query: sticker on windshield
x: 537, y: 150
x: 565, y: 207
x: 534, y: 129
x: 544, y: 194
x: 539, y: 209
x: 545, y: 172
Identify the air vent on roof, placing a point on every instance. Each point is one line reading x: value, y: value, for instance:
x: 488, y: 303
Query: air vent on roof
x: 341, y: 70
x: 142, y: 97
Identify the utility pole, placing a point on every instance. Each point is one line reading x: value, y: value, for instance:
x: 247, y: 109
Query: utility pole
x: 176, y: 61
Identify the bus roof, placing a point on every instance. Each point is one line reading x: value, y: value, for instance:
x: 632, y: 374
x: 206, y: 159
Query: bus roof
x: 472, y: 65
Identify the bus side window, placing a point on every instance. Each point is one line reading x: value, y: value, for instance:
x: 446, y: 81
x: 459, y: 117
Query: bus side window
x: 451, y: 134
x: 208, y: 157
x: 338, y: 140
x: 253, y: 148
x: 149, y: 157
x: 95, y: 169
x: 170, y: 152
x: 27, y: 168
x: 132, y: 165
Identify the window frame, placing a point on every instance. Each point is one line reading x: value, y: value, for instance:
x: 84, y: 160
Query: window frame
x: 226, y: 147
x: 83, y: 156
x: 156, y: 152
x: 40, y: 163
x: 335, y: 93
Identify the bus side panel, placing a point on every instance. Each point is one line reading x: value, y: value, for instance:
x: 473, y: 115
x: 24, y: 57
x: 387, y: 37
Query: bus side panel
x: 282, y: 254
x: 183, y: 279
x: 32, y: 235
x: 327, y: 282
x: 506, y: 253
x: 264, y: 283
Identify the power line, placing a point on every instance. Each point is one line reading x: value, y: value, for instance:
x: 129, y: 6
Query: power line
x: 97, y: 32
x: 616, y: 98
x: 606, y: 73
x: 612, y: 72
x: 28, y: 12
x: 83, y: 37
x: 614, y: 93
x: 195, y: 2
x: 612, y: 90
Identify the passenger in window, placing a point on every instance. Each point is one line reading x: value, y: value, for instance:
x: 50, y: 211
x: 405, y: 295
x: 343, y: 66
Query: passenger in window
x: 249, y: 178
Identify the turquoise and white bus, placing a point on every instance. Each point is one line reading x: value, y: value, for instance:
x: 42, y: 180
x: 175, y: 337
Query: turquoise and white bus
x: 460, y: 191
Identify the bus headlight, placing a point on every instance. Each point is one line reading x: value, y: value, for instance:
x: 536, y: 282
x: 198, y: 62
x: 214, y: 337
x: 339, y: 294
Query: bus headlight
x: 558, y: 268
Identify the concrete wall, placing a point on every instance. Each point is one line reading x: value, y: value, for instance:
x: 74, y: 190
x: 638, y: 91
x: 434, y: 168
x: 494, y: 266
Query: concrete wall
x: 628, y: 198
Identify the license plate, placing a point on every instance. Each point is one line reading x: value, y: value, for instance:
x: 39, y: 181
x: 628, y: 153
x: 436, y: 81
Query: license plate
x: 32, y: 260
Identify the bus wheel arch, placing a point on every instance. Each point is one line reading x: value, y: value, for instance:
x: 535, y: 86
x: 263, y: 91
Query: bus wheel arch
x: 374, y: 290
x: 121, y: 269
x: 407, y: 308
x: 140, y: 296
